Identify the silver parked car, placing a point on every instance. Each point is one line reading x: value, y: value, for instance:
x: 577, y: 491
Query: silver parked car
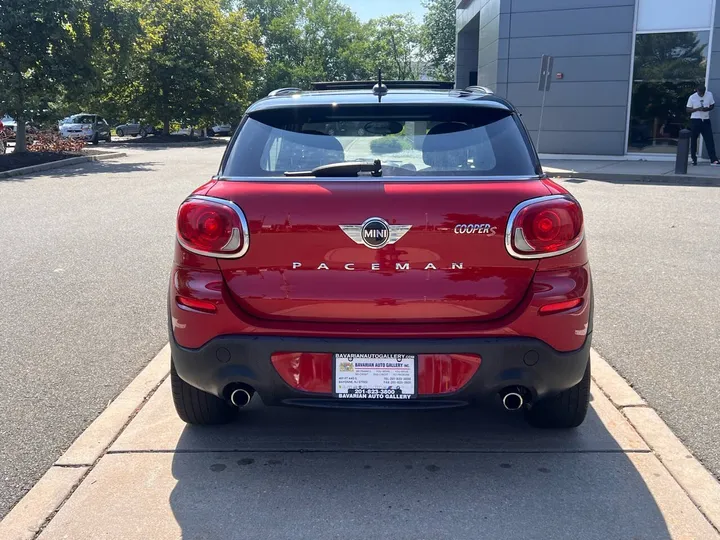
x: 134, y: 129
x: 90, y: 127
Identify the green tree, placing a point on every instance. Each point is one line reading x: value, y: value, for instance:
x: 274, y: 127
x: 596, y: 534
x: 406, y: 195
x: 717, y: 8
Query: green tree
x: 394, y: 45
x: 44, y: 45
x: 309, y: 40
x: 439, y: 37
x: 193, y: 61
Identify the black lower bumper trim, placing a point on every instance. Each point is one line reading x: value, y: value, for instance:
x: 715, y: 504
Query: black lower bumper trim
x: 507, y: 361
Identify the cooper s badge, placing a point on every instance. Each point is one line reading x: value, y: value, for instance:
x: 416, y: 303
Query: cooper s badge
x: 375, y: 232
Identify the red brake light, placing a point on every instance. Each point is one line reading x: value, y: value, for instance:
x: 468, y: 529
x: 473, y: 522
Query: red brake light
x: 212, y: 227
x: 544, y: 227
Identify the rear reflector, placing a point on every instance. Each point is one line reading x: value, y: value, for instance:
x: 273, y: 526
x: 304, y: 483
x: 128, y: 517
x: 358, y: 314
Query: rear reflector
x: 445, y: 373
x: 549, y: 309
x: 212, y: 227
x: 544, y: 227
x: 309, y: 372
x: 197, y: 305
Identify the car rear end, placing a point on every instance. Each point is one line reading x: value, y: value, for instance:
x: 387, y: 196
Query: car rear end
x: 81, y: 126
x: 418, y: 259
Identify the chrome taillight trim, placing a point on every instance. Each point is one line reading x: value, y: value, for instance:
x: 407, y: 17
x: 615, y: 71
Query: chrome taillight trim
x: 233, y: 239
x: 511, y: 221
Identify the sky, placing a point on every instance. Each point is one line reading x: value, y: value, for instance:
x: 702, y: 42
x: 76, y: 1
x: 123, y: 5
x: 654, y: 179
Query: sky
x: 368, y: 9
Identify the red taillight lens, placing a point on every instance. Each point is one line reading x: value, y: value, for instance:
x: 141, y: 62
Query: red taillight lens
x: 545, y: 227
x: 198, y: 305
x: 549, y: 309
x: 212, y: 227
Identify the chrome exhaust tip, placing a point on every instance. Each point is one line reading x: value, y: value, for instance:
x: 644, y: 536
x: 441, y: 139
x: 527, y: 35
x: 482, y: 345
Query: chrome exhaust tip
x: 240, y: 398
x: 512, y: 401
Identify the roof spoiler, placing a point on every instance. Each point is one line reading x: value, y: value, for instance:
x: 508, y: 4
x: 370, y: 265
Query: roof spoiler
x: 369, y: 85
x: 479, y: 89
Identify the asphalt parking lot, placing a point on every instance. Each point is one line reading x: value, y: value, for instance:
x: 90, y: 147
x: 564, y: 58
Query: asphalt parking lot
x: 84, y: 272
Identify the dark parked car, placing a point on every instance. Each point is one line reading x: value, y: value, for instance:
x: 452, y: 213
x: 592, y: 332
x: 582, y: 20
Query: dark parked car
x: 312, y: 271
x: 133, y: 128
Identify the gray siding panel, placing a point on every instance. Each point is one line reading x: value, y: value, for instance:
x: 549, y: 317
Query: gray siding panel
x: 503, y: 49
x: 592, y: 45
x: 488, y: 74
x: 576, y: 21
x: 571, y: 94
x: 488, y: 55
x: 575, y: 118
x: 588, y: 142
x: 489, y: 33
x: 519, y: 6
x: 588, y: 69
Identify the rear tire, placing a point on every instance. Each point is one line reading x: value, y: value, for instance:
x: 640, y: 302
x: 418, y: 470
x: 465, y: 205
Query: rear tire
x: 565, y: 410
x: 119, y: 132
x: 196, y: 407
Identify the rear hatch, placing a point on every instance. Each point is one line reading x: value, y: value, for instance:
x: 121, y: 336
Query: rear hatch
x: 432, y: 248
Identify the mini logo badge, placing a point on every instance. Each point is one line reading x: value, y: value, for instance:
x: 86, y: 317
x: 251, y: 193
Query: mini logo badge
x: 375, y: 233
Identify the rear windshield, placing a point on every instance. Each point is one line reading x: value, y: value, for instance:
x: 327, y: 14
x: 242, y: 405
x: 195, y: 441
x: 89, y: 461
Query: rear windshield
x: 82, y: 119
x: 409, y: 141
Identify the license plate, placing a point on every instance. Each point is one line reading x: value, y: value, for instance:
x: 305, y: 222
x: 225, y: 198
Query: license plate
x: 375, y: 376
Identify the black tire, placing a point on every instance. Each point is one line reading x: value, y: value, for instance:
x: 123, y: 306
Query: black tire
x: 143, y: 133
x: 119, y: 132
x: 194, y: 406
x: 95, y: 139
x: 109, y: 137
x: 565, y: 410
x: 210, y: 132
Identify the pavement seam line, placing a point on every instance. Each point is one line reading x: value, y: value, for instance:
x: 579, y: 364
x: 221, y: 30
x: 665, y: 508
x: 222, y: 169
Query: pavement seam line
x: 49, y: 518
x: 682, y: 478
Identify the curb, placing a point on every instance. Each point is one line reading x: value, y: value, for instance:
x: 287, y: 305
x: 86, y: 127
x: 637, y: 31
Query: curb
x: 673, y: 180
x: 699, y: 484
x: 60, y: 163
x: 209, y: 142
x: 28, y: 517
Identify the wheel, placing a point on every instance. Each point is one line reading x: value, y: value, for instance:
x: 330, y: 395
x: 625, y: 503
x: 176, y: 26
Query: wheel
x: 194, y: 406
x: 565, y: 410
x: 119, y: 133
x: 95, y: 139
x: 210, y: 132
x: 108, y: 138
x: 143, y: 133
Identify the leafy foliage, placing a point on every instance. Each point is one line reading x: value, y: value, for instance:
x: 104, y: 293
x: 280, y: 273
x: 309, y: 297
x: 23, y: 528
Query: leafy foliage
x: 439, y: 38
x: 50, y: 141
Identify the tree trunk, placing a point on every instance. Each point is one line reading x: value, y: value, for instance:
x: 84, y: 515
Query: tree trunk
x: 20, y: 143
x: 166, y: 127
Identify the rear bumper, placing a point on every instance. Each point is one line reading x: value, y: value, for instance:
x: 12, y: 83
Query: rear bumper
x: 507, y: 361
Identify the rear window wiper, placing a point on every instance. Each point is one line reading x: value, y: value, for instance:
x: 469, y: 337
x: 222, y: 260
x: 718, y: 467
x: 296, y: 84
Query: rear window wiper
x: 346, y: 168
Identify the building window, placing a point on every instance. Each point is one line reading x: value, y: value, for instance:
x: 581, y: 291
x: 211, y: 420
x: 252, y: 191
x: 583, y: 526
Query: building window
x: 668, y: 67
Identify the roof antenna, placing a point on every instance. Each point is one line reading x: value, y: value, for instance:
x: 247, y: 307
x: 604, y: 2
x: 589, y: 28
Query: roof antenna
x: 380, y: 89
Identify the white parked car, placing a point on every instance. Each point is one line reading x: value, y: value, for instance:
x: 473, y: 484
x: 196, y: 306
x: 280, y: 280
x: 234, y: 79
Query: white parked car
x: 220, y: 129
x: 90, y: 127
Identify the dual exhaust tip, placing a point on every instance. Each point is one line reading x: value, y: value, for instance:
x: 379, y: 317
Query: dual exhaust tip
x: 511, y: 400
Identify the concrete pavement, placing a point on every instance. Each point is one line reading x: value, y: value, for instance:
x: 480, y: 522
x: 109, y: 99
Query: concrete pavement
x: 636, y: 171
x: 296, y: 473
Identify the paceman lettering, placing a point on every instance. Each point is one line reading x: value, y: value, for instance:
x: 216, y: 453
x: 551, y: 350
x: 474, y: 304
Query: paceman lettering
x: 376, y: 267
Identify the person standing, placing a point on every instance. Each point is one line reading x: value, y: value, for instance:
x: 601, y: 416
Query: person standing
x: 699, y: 106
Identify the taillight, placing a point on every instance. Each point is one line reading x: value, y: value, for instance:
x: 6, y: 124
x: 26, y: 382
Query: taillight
x: 212, y: 227
x: 544, y: 227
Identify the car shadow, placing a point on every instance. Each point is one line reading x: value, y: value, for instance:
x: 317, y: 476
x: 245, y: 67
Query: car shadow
x: 88, y: 168
x: 462, y: 473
